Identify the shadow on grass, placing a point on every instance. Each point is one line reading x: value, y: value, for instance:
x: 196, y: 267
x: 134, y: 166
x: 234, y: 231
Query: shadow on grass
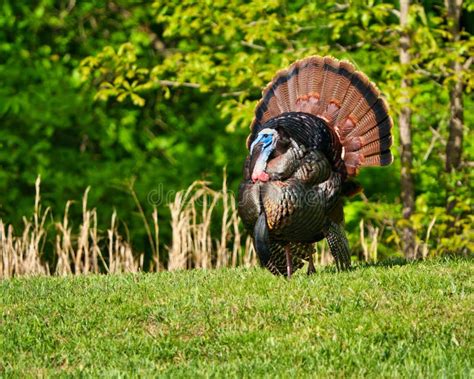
x: 400, y: 261
x: 390, y: 262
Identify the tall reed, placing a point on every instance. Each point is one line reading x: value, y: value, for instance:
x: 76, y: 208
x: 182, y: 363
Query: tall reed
x: 86, y: 250
x: 193, y: 213
x: 21, y: 255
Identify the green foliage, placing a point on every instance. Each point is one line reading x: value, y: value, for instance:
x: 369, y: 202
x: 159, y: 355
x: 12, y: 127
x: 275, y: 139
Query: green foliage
x: 411, y: 320
x: 97, y: 93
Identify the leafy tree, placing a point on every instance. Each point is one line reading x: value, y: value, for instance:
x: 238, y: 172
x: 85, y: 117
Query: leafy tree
x: 99, y: 93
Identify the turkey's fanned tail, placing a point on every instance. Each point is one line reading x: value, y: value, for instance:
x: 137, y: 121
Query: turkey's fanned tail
x: 344, y: 97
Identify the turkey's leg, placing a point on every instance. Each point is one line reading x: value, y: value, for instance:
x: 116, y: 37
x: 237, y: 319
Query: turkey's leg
x: 289, y: 264
x: 311, y: 269
x: 338, y: 245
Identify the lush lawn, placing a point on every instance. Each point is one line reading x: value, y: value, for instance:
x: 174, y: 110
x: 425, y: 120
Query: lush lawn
x: 412, y: 320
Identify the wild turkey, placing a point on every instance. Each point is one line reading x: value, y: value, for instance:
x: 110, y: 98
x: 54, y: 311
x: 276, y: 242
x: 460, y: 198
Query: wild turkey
x: 317, y: 123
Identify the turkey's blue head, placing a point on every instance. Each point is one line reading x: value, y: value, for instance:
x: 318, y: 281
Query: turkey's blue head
x: 260, y: 150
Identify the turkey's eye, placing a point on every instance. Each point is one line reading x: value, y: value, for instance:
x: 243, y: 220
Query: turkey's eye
x: 265, y: 135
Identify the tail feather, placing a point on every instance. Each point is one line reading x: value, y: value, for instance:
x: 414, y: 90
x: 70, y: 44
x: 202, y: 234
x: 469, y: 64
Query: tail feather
x: 382, y: 159
x: 365, y: 104
x: 345, y: 73
x: 293, y: 89
x: 376, y: 146
x: 354, y: 94
x: 345, y: 98
x: 313, y: 74
x: 331, y: 68
x: 377, y: 134
x: 375, y: 117
x: 381, y: 130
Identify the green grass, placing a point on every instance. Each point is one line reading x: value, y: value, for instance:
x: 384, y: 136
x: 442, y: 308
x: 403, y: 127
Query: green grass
x: 413, y: 320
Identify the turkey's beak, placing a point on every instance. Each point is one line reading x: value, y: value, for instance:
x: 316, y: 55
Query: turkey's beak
x: 256, y: 145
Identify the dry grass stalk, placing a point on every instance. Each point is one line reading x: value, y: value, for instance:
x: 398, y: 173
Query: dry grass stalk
x: 75, y: 254
x: 192, y: 214
x: 222, y: 253
x: 249, y: 255
x: 237, y: 245
x: 121, y: 258
x: 369, y: 250
x: 156, y: 229
x: 152, y: 241
x: 423, y: 247
x: 180, y: 221
x: 21, y: 255
x: 323, y: 256
x: 64, y: 243
x: 81, y: 258
x: 201, y: 226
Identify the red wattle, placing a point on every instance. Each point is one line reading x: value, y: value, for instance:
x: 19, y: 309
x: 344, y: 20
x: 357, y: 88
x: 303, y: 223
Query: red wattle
x: 262, y: 176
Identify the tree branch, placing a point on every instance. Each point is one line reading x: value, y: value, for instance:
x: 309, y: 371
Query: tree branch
x: 252, y: 45
x: 170, y: 83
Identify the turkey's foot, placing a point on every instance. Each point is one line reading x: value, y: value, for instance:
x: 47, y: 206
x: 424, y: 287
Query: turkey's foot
x: 311, y: 268
x: 338, y: 245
